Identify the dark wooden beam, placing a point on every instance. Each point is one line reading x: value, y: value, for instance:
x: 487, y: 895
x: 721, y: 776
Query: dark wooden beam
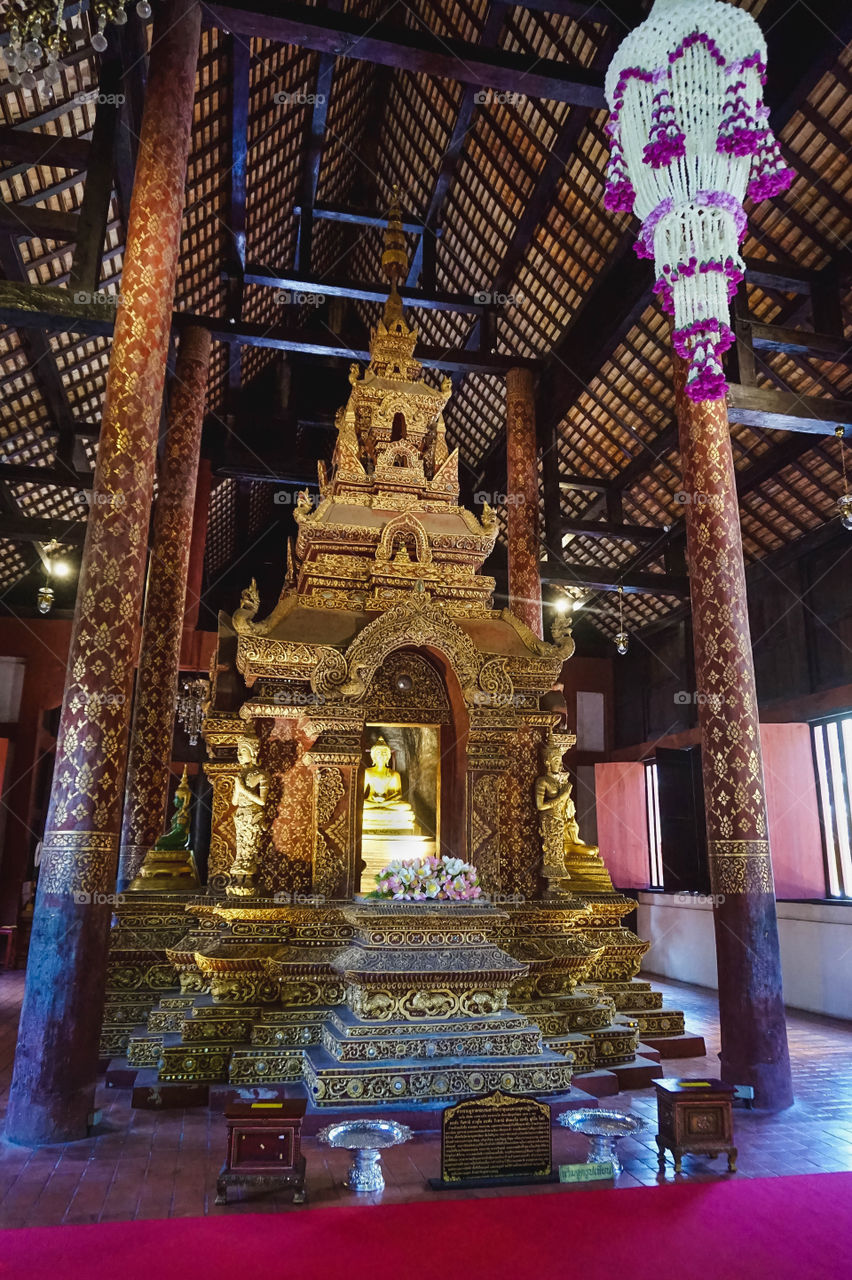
x: 414, y: 49
x: 601, y: 579
x: 41, y: 359
x: 361, y: 217
x: 35, y: 306
x: 239, y: 58
x: 41, y: 529
x: 97, y: 192
x: 45, y: 307
x: 423, y: 262
x: 133, y: 48
x: 362, y: 292
x: 787, y: 411
x: 326, y: 345
x: 318, y: 119
x: 594, y: 485
x: 821, y: 346
x: 29, y: 221
x: 780, y: 277
x: 26, y: 149
x: 286, y: 477
x: 584, y: 528
x: 63, y: 478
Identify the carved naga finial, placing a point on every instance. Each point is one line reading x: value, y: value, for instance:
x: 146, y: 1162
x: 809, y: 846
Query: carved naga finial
x: 249, y: 605
x: 561, y: 634
x: 304, y: 505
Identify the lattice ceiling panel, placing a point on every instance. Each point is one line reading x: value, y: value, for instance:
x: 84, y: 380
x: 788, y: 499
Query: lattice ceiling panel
x: 15, y: 562
x: 388, y: 125
x: 222, y: 535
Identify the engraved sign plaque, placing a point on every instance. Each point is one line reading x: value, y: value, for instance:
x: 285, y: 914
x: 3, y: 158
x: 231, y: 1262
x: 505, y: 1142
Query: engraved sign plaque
x: 495, y: 1138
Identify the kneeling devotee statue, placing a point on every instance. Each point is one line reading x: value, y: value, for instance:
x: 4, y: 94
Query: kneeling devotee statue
x: 569, y: 865
x: 251, y: 787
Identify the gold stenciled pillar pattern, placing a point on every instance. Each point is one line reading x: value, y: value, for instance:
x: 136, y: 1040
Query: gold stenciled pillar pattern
x: 147, y: 788
x: 55, y: 1068
x: 751, y: 1005
x: 522, y: 487
x: 727, y: 709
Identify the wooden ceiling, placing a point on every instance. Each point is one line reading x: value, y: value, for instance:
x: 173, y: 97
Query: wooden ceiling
x: 490, y: 118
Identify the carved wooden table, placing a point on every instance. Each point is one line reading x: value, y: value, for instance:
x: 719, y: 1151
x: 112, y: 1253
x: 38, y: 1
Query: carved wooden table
x: 264, y: 1140
x: 695, y: 1117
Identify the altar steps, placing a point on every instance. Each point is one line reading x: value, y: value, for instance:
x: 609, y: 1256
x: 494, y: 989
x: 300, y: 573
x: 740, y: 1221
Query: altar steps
x: 331, y: 1083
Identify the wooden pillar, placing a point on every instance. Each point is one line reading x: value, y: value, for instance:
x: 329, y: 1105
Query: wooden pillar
x: 522, y: 487
x: 751, y: 1005
x: 148, y: 765
x: 198, y: 545
x: 53, y: 1085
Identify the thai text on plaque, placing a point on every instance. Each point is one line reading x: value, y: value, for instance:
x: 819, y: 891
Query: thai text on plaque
x: 498, y: 1136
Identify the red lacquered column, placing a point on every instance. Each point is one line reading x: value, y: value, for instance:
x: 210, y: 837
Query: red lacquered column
x: 53, y: 1085
x: 751, y: 1004
x: 522, y: 486
x: 147, y: 790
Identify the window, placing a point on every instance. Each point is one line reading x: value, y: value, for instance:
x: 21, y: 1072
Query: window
x: 833, y: 758
x: 652, y: 809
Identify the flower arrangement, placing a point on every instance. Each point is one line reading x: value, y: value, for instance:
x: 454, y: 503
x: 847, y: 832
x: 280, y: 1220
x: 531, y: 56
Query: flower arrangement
x: 428, y: 879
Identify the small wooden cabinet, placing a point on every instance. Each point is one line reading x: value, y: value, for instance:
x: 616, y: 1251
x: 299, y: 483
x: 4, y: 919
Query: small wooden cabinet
x: 264, y: 1148
x: 695, y: 1117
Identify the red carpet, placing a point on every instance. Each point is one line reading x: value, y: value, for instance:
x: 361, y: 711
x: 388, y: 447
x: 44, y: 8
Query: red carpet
x: 780, y: 1228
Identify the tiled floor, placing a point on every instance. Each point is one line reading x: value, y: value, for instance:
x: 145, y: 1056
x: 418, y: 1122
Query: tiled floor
x: 146, y: 1164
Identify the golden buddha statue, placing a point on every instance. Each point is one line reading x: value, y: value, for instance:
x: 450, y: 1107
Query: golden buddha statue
x: 170, y: 865
x: 389, y: 827
x: 251, y: 787
x: 382, y: 785
x: 569, y: 865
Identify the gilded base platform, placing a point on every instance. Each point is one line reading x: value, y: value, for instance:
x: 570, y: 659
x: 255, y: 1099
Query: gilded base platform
x: 332, y: 1084
x: 396, y: 999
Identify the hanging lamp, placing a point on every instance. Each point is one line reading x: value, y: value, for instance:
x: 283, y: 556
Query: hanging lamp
x: 690, y: 136
x: 622, y: 639
x: 844, y: 502
x: 41, y: 31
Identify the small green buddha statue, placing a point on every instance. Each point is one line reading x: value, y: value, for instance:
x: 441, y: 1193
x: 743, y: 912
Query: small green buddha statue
x: 177, y: 837
x: 170, y: 865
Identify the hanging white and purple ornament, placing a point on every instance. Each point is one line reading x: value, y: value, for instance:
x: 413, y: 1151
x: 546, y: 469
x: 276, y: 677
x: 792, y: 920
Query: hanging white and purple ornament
x: 689, y: 137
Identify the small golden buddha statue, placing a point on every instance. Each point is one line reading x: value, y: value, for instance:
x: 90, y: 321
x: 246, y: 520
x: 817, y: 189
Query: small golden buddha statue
x: 251, y: 787
x: 384, y: 808
x: 170, y: 865
x: 382, y: 785
x: 569, y: 865
x: 389, y: 827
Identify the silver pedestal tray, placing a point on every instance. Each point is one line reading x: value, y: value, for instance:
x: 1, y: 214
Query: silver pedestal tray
x: 603, y: 1128
x: 365, y: 1139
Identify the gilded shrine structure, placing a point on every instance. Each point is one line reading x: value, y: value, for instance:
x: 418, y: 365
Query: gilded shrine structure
x: 385, y: 708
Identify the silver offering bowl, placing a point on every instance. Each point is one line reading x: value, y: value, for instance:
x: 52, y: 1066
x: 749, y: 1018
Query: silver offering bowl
x: 365, y: 1139
x: 603, y: 1128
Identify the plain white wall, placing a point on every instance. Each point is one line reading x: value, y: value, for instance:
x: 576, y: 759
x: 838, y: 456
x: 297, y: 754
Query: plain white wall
x: 816, y: 948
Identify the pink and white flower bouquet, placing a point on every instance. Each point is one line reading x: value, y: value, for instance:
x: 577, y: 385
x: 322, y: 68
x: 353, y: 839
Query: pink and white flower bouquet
x: 428, y: 879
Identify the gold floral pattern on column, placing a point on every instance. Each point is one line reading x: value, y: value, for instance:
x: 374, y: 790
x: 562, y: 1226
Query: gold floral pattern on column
x: 484, y: 810
x: 329, y: 861
x: 734, y: 797
x: 148, y: 766
x: 522, y: 489
x: 91, y: 748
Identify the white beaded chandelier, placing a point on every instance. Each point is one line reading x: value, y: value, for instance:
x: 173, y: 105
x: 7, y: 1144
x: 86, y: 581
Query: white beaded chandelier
x: 689, y: 136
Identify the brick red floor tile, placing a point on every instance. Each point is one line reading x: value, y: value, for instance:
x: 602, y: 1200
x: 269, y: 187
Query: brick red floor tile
x: 157, y: 1164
